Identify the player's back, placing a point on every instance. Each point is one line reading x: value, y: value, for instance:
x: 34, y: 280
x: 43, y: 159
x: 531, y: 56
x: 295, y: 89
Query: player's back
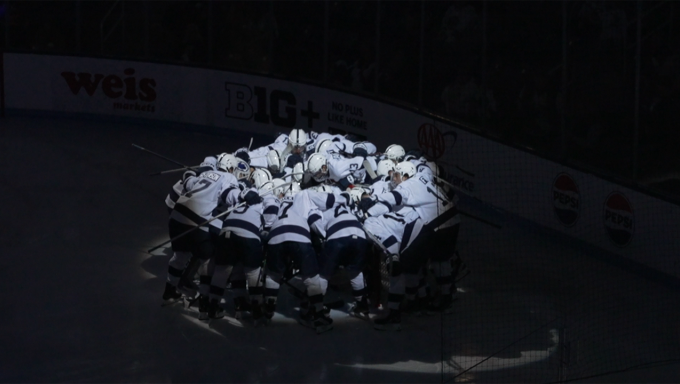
x: 291, y: 224
x: 245, y: 221
x: 424, y: 197
x: 201, y: 195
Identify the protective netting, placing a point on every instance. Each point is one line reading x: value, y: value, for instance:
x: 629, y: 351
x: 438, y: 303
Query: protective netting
x: 541, y: 306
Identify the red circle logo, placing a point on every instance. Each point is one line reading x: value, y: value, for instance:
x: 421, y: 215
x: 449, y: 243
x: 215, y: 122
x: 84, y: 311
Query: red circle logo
x: 431, y: 141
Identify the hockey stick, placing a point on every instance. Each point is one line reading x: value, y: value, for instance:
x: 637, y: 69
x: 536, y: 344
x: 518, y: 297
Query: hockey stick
x: 465, y: 213
x: 251, y: 144
x: 172, y: 171
x: 206, y: 222
x: 369, y: 169
x: 161, y: 156
x: 196, y: 227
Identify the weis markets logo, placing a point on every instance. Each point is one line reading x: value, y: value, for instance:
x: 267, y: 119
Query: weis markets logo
x: 139, y: 94
x: 619, y: 219
x: 566, y: 199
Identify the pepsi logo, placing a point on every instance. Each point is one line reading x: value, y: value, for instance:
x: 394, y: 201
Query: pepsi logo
x: 619, y: 220
x: 566, y: 199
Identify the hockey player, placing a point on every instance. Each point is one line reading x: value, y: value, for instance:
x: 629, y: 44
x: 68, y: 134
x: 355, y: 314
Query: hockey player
x: 345, y: 172
x: 297, y: 144
x: 208, y: 164
x: 422, y: 202
x: 290, y: 246
x: 259, y: 157
x: 345, y: 245
x: 383, y: 184
x: 442, y: 243
x: 179, y: 266
x: 194, y: 208
x: 239, y: 245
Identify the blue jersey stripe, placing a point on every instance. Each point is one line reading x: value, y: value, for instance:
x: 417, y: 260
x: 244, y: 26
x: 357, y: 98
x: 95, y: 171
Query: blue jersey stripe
x: 342, y: 225
x: 236, y: 223
x: 289, y: 229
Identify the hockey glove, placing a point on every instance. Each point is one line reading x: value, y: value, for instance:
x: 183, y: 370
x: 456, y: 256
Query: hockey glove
x: 346, y: 182
x: 366, y: 203
x: 242, y: 153
x: 360, y: 152
x: 250, y: 197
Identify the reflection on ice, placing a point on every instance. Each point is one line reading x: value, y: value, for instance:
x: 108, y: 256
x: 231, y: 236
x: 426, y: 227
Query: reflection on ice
x: 471, y: 363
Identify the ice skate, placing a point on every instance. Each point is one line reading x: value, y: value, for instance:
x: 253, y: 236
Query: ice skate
x: 268, y: 311
x: 360, y: 309
x: 203, y: 308
x: 170, y: 295
x: 215, y: 311
x: 322, y: 322
x: 256, y: 312
x: 391, y: 322
x: 443, y: 305
x: 241, y: 306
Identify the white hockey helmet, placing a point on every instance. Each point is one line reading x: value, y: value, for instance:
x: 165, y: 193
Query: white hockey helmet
x: 322, y: 146
x: 298, y: 172
x: 242, y: 170
x: 227, y: 162
x: 274, y: 160
x: 385, y: 167
x: 317, y: 166
x: 297, y: 139
x: 260, y: 176
x: 395, y: 152
x: 293, y: 189
x: 266, y: 188
x: 405, y: 168
x: 280, y: 187
x: 370, y: 148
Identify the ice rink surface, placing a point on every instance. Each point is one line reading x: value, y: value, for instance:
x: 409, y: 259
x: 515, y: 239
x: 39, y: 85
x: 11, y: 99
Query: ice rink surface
x: 81, y: 296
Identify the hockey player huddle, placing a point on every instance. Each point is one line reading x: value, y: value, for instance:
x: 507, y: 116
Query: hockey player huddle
x: 307, y: 205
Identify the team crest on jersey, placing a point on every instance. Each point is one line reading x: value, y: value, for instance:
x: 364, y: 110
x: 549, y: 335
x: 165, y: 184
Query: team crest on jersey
x: 212, y: 176
x: 566, y: 199
x: 619, y: 220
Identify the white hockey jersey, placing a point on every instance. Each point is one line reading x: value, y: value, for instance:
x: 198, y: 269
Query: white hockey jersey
x: 381, y: 186
x: 258, y: 157
x: 175, y: 193
x: 202, y: 194
x: 337, y: 220
x: 419, y: 193
x: 343, y: 145
x: 296, y: 214
x: 270, y: 210
x: 422, y: 169
x: 341, y: 167
x: 246, y: 221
